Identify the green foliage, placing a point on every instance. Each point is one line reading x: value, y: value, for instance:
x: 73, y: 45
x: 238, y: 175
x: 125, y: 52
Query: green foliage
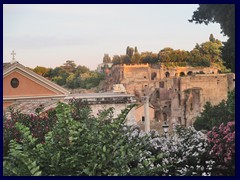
x: 80, y: 144
x: 40, y: 70
x: 39, y: 124
x: 136, y: 58
x: 216, y: 115
x: 19, y: 161
x: 149, y: 57
x: 129, y: 51
x: 125, y: 59
x: 116, y: 59
x: 72, y: 76
x: 224, y: 14
x: 69, y: 66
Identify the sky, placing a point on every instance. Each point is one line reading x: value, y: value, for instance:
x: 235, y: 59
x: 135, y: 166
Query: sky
x: 48, y: 35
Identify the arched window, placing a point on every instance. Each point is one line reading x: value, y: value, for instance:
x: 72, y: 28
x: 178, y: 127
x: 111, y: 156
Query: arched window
x: 189, y: 73
x: 167, y: 74
x: 182, y: 74
x: 153, y: 75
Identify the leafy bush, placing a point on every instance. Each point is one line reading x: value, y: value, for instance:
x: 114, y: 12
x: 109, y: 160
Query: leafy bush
x: 222, y: 141
x: 215, y: 115
x: 39, y: 124
x: 88, y: 146
x: 79, y: 144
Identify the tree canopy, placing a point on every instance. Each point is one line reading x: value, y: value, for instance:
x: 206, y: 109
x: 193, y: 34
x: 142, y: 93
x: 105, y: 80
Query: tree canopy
x: 203, y: 54
x: 224, y: 14
x: 71, y: 75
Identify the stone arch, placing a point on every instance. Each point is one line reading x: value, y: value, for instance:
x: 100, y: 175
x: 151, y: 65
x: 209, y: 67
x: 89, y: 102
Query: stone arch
x: 157, y: 94
x: 167, y: 74
x: 182, y: 74
x: 189, y: 73
x: 164, y: 117
x: 153, y: 76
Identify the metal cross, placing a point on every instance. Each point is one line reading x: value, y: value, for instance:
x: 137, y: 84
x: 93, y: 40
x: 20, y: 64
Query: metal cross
x: 13, y: 54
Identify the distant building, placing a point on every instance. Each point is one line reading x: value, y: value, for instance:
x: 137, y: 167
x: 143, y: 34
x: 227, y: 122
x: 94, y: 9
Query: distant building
x: 20, y: 83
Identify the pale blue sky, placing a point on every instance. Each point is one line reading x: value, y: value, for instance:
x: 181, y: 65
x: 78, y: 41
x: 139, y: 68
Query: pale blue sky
x: 48, y: 35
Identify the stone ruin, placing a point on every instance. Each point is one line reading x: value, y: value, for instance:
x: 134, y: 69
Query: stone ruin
x: 178, y: 94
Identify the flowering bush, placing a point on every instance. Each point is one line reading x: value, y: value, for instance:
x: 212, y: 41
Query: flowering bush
x: 39, y: 124
x: 77, y: 143
x: 222, y: 141
x: 185, y: 153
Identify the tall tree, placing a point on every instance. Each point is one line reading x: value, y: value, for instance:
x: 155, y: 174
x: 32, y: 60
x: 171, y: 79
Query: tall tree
x: 69, y: 66
x: 129, y: 51
x: 106, y: 58
x: 224, y: 14
x: 136, y: 58
x: 211, y: 38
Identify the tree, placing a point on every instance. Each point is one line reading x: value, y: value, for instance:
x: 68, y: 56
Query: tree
x: 164, y: 54
x: 212, y: 116
x: 40, y: 70
x: 106, y: 58
x: 135, y: 49
x: 224, y: 14
x: 136, y: 58
x: 69, y: 66
x: 211, y: 51
x: 211, y: 38
x: 116, y: 59
x: 81, y: 70
x: 129, y: 51
x: 125, y: 59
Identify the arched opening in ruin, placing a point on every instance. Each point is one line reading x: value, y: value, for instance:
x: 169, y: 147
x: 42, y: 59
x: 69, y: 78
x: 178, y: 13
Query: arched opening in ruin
x: 153, y: 76
x: 182, y: 74
x: 157, y: 94
x: 167, y: 74
x: 180, y: 120
x: 189, y: 73
x: 164, y: 117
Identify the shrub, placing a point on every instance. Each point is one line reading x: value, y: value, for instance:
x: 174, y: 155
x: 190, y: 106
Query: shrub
x: 222, y: 141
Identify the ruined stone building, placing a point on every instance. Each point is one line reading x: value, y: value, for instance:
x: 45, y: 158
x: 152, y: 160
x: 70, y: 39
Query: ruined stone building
x: 177, y: 94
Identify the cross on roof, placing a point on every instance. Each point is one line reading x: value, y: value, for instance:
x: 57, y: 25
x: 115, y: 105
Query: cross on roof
x: 13, y: 54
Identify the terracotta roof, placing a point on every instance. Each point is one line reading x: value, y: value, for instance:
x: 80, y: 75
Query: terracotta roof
x: 6, y: 66
x: 29, y: 107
